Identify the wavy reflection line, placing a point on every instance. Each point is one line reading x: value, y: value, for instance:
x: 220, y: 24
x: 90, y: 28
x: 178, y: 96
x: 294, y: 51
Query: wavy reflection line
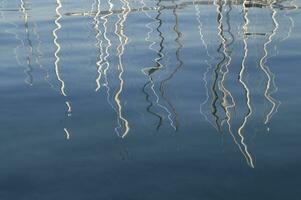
x: 208, y: 63
x: 98, y: 44
x: 158, y: 65
x: 104, y: 55
x: 32, y: 56
x: 40, y: 55
x: 107, y: 55
x: 158, y: 60
x: 290, y: 29
x: 270, y: 76
x: 150, y: 70
x: 13, y: 33
x: 123, y: 39
x: 214, y: 89
x: 247, y: 91
x: 224, y: 63
x: 276, y: 103
x: 180, y: 64
x: 28, y: 71
x: 58, y: 47
x: 224, y: 71
x: 57, y: 60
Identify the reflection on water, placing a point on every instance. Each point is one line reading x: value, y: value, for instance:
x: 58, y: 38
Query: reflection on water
x: 160, y: 104
x: 149, y: 59
x: 28, y: 44
x: 57, y: 60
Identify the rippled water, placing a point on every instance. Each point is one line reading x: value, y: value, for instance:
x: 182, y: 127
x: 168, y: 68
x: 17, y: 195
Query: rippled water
x: 150, y: 99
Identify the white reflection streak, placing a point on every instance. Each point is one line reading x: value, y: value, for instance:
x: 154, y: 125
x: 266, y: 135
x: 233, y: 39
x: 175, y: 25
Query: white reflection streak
x: 106, y: 56
x: 200, y: 26
x: 67, y: 134
x: 266, y: 69
x: 241, y: 74
x: 58, y: 47
x: 227, y: 93
x: 120, y: 51
x: 98, y: 45
x: 108, y: 45
x: 29, y: 77
x: 57, y: 59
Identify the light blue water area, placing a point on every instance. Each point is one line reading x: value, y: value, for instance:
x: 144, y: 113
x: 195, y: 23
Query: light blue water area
x: 150, y: 99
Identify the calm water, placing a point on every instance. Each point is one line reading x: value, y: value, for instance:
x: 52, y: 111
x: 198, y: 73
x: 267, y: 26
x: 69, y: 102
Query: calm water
x: 150, y: 100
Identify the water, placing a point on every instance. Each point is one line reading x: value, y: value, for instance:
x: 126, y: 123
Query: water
x: 150, y: 99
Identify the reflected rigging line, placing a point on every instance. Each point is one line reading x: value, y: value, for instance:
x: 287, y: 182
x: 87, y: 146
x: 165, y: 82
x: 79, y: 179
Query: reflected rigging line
x: 28, y: 71
x: 13, y: 33
x: 123, y: 39
x: 39, y: 55
x: 292, y: 22
x: 98, y: 44
x: 225, y: 45
x: 247, y: 91
x: 103, y: 55
x: 227, y: 52
x: 208, y: 63
x: 158, y: 60
x: 149, y: 71
x: 226, y: 92
x: 180, y: 64
x: 214, y: 88
x: 57, y: 60
x: 107, y: 55
x: 266, y: 70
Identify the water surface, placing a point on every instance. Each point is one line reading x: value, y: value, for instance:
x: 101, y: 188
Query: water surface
x: 150, y: 99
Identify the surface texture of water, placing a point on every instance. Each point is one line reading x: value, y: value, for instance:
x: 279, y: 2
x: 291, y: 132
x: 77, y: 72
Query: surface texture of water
x: 150, y: 99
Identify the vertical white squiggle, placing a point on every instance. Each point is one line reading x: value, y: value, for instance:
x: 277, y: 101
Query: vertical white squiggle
x: 241, y: 75
x: 266, y: 70
x: 57, y: 60
x: 98, y: 44
x: 28, y: 70
x: 208, y: 63
x: 123, y: 39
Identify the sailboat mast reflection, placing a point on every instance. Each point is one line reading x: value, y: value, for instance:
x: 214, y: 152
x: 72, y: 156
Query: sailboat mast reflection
x: 150, y: 70
x: 123, y: 39
x: 98, y: 44
x: 215, y: 88
x: 208, y: 62
x: 28, y: 71
x: 57, y: 61
x: 174, y: 123
x: 243, y: 83
x: 270, y: 76
x: 102, y: 62
x: 107, y: 55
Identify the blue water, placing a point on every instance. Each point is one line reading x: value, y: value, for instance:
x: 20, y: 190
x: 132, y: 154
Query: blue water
x: 150, y: 99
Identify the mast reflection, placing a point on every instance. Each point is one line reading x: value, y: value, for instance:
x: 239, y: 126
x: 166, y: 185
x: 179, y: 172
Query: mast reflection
x: 57, y: 61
